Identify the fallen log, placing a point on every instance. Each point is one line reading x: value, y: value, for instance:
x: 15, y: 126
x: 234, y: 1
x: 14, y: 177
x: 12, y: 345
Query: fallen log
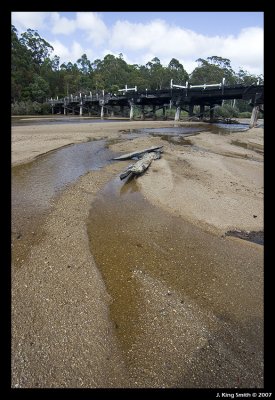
x: 137, y: 153
x: 141, y: 165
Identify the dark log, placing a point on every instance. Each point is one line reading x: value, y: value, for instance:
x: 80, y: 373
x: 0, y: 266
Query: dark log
x: 141, y: 165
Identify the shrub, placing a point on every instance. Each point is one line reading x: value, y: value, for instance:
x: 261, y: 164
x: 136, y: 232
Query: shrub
x: 226, y: 111
x: 29, y: 108
x: 245, y: 114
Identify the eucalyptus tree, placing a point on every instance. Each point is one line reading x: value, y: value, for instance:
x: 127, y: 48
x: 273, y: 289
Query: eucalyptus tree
x: 156, y: 73
x: 21, y: 67
x: 39, y: 89
x: 177, y: 72
x: 212, y: 70
x: 39, y: 48
x: 70, y: 75
x: 111, y: 71
x: 86, y: 73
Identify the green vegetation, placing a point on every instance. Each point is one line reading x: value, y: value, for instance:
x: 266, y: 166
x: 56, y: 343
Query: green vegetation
x: 37, y: 75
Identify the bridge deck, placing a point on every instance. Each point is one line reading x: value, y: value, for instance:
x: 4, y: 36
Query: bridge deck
x: 177, y: 97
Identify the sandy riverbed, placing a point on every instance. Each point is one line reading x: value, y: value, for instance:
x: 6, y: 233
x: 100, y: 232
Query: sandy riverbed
x: 62, y: 335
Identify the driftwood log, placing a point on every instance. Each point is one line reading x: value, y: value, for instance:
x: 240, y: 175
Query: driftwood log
x: 141, y: 165
x: 138, y: 153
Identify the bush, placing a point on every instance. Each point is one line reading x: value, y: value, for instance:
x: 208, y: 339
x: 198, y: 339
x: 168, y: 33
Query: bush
x: 30, y: 108
x: 226, y: 111
x: 245, y: 114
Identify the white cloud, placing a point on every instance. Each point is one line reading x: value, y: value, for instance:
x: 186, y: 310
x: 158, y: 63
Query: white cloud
x: 23, y: 20
x: 92, y: 24
x: 60, y: 50
x: 245, y: 49
x: 72, y: 53
x: 159, y: 39
x: 62, y: 25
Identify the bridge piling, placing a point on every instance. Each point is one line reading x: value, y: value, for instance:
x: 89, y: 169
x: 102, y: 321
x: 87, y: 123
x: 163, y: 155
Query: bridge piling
x: 154, y: 113
x: 191, y: 110
x: 202, y: 111
x: 142, y: 113
x: 131, y: 111
x: 254, y: 117
x: 164, y: 113
x: 102, y: 112
x: 177, y: 114
x: 211, y: 114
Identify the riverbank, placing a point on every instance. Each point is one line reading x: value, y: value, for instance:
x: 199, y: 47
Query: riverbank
x: 62, y: 334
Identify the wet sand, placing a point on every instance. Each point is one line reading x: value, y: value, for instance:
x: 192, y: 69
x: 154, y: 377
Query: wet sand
x: 62, y: 332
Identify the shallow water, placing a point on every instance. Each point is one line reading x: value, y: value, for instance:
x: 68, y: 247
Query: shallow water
x: 35, y: 184
x: 228, y: 128
x: 174, y: 130
x: 134, y: 242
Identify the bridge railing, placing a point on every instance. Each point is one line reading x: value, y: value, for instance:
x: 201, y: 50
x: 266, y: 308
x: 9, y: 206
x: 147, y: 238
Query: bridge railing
x: 204, y: 86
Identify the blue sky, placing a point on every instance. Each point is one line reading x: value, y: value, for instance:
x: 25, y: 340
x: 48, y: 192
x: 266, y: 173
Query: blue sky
x: 141, y: 36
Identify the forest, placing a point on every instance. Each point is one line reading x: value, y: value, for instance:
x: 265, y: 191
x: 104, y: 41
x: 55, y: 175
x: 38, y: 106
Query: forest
x: 36, y: 74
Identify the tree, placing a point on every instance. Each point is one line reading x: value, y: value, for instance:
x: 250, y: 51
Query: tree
x: 40, y: 49
x: 177, y: 72
x: 21, y: 66
x: 156, y: 73
x: 212, y: 71
x: 85, y: 64
x: 245, y: 78
x: 39, y: 89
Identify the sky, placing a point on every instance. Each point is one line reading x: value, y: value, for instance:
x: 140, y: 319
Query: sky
x: 141, y: 36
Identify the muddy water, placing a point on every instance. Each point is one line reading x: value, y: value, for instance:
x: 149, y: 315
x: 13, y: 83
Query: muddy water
x: 179, y: 295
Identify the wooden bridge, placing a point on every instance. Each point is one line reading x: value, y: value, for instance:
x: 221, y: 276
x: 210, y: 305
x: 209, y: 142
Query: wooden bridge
x: 181, y: 97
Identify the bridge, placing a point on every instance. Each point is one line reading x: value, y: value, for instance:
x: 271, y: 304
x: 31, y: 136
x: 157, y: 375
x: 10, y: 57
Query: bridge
x: 181, y: 97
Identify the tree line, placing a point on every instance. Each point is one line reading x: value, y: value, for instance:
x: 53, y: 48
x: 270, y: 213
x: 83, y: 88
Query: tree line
x: 36, y: 74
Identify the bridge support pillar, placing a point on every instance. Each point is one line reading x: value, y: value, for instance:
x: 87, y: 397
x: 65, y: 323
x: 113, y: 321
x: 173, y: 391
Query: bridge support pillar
x: 112, y: 113
x: 212, y: 113
x: 142, y: 113
x: 164, y: 113
x: 154, y: 113
x: 177, y: 115
x: 191, y: 110
x: 80, y: 110
x: 201, y: 111
x: 254, y: 117
x: 52, y: 110
x: 102, y: 112
x: 64, y: 109
x: 73, y: 111
x: 131, y: 111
